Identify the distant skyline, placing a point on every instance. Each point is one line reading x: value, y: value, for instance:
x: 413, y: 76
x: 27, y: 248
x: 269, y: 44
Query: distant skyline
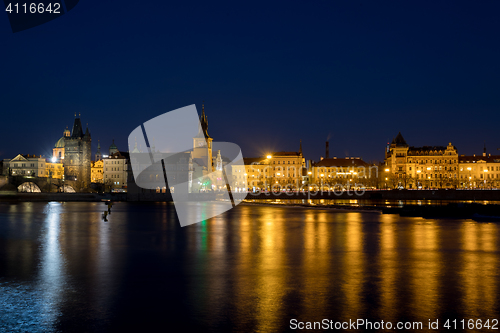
x: 270, y: 74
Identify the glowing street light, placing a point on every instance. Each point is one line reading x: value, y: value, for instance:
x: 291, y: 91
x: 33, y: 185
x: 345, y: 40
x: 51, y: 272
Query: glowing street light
x: 269, y: 156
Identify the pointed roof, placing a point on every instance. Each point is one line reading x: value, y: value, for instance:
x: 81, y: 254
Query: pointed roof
x: 399, y: 140
x: 204, y: 122
x: 77, y: 129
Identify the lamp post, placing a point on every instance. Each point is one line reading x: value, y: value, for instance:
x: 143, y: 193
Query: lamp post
x: 268, y: 176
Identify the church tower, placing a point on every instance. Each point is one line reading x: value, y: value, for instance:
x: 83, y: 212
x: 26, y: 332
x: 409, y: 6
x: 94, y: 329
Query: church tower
x: 58, y: 150
x: 113, y: 148
x: 77, y: 154
x: 202, y: 143
x: 98, y: 155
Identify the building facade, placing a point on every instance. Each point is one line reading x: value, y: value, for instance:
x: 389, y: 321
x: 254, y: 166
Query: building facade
x: 419, y: 167
x: 343, y: 173
x: 77, y: 155
x: 54, y: 170
x: 481, y: 172
x: 25, y: 165
x: 115, y: 171
x: 96, y: 171
x: 58, y: 150
x: 275, y: 171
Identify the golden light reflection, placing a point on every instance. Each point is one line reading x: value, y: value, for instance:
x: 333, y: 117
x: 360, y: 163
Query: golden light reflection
x: 480, y: 268
x: 388, y: 272
x: 426, y: 270
x: 353, y: 266
x: 317, y: 264
x: 271, y: 280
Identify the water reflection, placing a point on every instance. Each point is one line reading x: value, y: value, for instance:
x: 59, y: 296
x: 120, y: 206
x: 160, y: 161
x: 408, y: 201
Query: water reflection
x: 51, y: 274
x: 251, y: 269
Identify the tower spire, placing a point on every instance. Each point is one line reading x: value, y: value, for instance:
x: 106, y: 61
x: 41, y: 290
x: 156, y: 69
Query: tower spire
x: 300, y: 148
x: 204, y: 121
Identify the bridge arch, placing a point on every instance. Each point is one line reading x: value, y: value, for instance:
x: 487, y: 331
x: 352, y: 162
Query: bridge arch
x: 28, y: 187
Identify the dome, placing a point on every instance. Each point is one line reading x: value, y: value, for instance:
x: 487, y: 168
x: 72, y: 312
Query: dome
x: 60, y: 143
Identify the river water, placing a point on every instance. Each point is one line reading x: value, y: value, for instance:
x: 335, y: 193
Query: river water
x: 254, y: 268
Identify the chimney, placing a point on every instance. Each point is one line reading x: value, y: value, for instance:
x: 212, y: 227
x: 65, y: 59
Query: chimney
x: 327, y: 151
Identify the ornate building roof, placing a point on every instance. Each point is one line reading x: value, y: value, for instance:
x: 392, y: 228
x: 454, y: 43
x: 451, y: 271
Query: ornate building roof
x: 60, y: 143
x: 204, y: 122
x: 399, y: 141
x: 77, y: 129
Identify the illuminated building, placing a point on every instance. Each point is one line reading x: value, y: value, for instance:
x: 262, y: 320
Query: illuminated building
x: 54, y: 170
x: 115, y: 169
x: 348, y: 172
x: 277, y: 169
x: 58, y: 150
x: 96, y: 171
x: 420, y: 167
x: 479, y: 171
x: 25, y: 165
x: 195, y: 168
x: 77, y: 155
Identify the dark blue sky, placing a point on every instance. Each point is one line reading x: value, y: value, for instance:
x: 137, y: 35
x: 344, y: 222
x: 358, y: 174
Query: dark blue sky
x: 270, y: 73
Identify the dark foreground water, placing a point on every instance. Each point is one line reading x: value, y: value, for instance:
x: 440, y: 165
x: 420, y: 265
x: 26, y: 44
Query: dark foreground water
x: 255, y: 268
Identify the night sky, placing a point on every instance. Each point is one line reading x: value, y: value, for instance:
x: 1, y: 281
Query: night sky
x: 270, y: 74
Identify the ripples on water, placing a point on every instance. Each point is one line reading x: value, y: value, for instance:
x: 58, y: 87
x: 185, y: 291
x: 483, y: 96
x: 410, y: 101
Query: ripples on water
x: 252, y: 269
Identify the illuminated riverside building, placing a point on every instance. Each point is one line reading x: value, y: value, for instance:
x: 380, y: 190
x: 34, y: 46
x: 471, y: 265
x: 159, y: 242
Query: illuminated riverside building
x: 278, y: 169
x: 437, y: 167
x: 54, y: 170
x: 197, y: 168
x: 347, y: 172
x: 115, y: 170
x: 73, y: 151
x: 58, y: 150
x: 479, y: 171
x: 96, y: 171
x: 26, y: 165
x: 420, y: 167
